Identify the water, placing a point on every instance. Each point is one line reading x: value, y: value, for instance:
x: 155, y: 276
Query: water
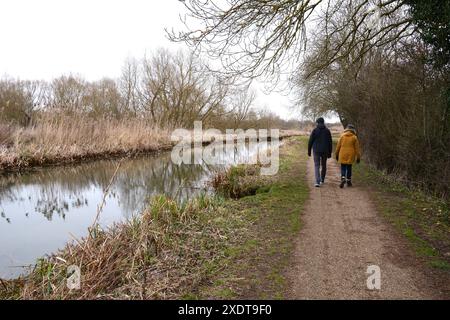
x: 41, y: 211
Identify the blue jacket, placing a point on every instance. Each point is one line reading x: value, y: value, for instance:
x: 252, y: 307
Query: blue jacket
x: 321, y: 141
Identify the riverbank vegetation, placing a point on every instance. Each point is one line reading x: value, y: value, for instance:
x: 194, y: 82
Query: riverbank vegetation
x: 66, y: 139
x: 158, y: 255
x: 210, y: 247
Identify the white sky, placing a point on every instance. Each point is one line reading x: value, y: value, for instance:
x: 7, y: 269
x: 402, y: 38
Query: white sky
x: 43, y: 39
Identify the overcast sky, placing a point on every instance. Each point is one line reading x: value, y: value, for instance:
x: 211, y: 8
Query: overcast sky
x: 43, y: 39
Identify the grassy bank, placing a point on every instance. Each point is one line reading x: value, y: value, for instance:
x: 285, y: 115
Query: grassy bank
x: 210, y: 247
x: 423, y: 219
x: 63, y: 140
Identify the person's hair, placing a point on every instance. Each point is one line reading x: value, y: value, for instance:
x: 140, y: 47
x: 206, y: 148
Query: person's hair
x: 351, y: 127
x: 321, y: 121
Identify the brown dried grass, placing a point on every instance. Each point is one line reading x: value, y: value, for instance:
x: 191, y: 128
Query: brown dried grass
x: 6, y: 135
x: 64, y: 139
x: 164, y: 254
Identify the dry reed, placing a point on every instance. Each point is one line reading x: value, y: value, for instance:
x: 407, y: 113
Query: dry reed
x: 63, y: 139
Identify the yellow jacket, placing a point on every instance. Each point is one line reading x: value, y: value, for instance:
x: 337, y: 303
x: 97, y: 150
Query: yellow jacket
x: 348, y: 148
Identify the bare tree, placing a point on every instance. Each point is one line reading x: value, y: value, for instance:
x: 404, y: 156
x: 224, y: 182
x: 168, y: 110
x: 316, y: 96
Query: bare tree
x: 154, y: 86
x: 177, y: 89
x: 241, y: 104
x: 128, y: 86
x: 68, y: 93
x: 255, y: 38
x: 103, y: 98
x: 20, y: 99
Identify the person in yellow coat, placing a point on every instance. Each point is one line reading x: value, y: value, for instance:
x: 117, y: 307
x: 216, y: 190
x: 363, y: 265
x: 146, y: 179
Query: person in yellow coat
x: 348, y: 152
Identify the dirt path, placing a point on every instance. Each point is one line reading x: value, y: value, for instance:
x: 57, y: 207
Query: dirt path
x: 340, y: 239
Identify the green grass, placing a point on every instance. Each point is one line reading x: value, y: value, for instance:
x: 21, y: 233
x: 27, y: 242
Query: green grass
x: 422, y: 219
x: 258, y: 263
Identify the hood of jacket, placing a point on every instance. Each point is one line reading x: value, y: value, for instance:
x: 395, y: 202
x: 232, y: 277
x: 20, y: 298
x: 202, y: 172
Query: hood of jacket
x: 349, y: 132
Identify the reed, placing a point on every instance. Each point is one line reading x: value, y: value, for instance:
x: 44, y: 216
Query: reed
x: 6, y: 135
x: 63, y: 139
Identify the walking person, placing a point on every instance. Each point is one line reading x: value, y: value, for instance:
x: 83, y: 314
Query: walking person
x: 347, y: 152
x: 321, y: 143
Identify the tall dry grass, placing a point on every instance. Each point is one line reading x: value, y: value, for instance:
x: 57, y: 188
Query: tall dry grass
x: 6, y: 135
x: 68, y: 139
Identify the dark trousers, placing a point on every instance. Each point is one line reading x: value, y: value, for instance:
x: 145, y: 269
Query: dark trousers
x: 320, y: 160
x: 346, y: 170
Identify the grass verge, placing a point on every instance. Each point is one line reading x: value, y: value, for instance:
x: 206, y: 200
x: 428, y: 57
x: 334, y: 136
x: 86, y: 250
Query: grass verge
x: 423, y: 219
x: 255, y: 266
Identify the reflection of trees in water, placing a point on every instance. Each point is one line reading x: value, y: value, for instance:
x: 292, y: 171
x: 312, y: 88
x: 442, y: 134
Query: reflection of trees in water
x: 140, y: 179
x: 51, y: 202
x: 7, y: 188
x: 54, y: 191
x: 51, y: 206
x: 3, y: 216
x: 64, y: 188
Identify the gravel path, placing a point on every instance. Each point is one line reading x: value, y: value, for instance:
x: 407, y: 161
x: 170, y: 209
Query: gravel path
x: 342, y: 235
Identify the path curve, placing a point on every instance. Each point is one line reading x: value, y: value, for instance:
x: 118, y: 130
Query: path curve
x: 341, y: 238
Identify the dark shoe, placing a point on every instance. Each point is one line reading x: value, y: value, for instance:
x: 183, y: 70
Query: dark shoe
x: 342, y: 183
x: 349, y: 183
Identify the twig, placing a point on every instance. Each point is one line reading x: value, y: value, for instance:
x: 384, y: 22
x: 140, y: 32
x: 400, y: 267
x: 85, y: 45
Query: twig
x: 105, y: 194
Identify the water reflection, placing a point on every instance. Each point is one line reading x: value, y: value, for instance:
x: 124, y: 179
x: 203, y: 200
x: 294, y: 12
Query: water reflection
x: 42, y: 210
